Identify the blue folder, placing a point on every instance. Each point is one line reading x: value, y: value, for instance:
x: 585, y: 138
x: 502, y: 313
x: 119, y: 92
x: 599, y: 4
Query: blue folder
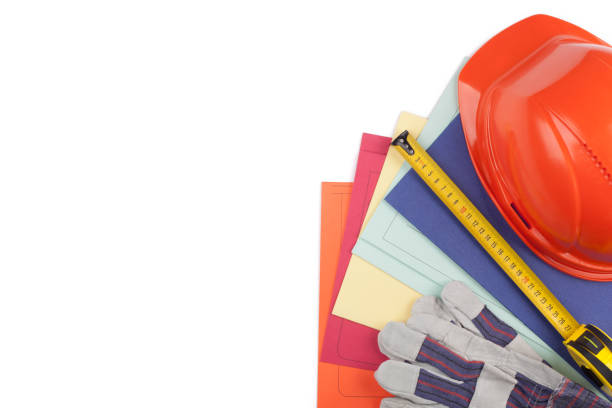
x: 587, y: 301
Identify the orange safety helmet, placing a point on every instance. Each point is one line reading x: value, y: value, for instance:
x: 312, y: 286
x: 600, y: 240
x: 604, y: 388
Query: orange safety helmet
x: 536, y: 107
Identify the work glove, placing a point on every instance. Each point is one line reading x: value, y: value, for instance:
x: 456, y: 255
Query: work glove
x: 454, y: 352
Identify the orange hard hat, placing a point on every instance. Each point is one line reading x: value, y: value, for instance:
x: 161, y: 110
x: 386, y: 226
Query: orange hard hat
x: 536, y: 107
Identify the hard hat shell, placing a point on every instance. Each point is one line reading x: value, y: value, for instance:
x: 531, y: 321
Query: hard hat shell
x: 536, y: 107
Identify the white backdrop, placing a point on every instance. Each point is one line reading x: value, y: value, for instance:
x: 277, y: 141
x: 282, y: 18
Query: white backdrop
x: 160, y: 169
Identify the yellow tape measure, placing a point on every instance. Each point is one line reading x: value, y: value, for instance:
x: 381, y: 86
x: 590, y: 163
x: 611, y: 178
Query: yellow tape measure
x: 589, y: 346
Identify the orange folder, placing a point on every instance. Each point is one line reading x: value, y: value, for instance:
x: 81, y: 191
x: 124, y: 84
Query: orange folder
x: 338, y: 386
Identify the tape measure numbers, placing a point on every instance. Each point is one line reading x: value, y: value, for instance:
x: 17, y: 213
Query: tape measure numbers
x: 486, y: 235
x: 589, y: 346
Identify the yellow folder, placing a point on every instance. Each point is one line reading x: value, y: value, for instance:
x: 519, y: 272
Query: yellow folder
x: 368, y: 295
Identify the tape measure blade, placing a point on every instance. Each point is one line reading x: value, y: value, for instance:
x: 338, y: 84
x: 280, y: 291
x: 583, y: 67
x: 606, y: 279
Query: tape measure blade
x: 487, y: 236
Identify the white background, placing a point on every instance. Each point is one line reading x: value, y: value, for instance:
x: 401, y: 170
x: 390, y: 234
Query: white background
x: 160, y: 169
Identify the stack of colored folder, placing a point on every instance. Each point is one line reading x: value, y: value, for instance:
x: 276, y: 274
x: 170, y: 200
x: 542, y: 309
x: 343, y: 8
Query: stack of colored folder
x: 386, y: 240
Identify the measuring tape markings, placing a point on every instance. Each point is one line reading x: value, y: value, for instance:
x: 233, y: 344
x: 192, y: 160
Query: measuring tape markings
x: 478, y: 226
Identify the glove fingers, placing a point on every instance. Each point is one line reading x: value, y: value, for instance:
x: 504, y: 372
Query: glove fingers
x: 400, y: 342
x: 421, y: 387
x: 459, y: 298
x: 459, y: 305
x: 475, y: 316
x: 432, y: 305
x: 458, y: 340
x: 472, y: 313
x: 450, y: 309
x: 398, y: 378
x: 464, y: 344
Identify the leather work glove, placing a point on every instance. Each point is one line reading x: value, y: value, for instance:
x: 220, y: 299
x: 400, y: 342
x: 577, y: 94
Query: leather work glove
x: 453, y: 352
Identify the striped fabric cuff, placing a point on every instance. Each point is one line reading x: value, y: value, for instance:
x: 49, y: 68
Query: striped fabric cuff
x: 447, y: 361
x: 572, y: 395
x: 527, y: 393
x: 493, y: 329
x: 450, y: 394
